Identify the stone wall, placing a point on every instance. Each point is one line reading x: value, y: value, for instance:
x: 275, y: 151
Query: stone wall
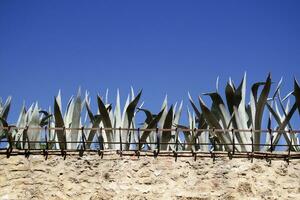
x: 112, y: 177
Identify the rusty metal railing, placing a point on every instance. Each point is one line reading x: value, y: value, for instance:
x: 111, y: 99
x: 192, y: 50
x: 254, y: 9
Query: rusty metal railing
x: 138, y: 151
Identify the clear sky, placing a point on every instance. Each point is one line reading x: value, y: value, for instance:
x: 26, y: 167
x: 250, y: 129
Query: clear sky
x: 161, y: 46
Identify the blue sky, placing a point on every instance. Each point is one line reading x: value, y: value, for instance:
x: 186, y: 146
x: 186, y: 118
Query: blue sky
x: 161, y: 46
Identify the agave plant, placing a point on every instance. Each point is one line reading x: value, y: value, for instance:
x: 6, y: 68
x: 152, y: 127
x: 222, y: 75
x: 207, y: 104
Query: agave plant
x: 195, y: 140
x: 30, y: 122
x: 115, y: 119
x: 227, y: 118
x: 167, y: 119
x: 238, y: 116
x: 4, y: 110
x: 283, y: 118
x: 71, y: 119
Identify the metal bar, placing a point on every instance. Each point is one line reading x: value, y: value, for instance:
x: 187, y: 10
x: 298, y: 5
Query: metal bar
x: 83, y: 137
x: 233, y: 141
x: 252, y: 145
x: 120, y: 142
x: 214, y: 146
x: 139, y: 143
x: 157, y: 142
x: 176, y: 145
x: 9, y: 149
x: 271, y: 138
x: 195, y: 142
x: 47, y: 146
x: 160, y: 129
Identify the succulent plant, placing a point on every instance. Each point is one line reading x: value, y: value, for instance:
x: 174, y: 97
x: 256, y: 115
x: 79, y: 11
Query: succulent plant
x: 228, y: 119
x: 71, y: 119
x: 4, y: 110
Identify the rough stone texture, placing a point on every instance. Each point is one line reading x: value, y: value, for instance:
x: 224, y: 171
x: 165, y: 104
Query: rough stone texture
x: 112, y: 177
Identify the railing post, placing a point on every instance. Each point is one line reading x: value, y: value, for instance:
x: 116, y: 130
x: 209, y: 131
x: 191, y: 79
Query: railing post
x: 252, y: 145
x: 100, y: 142
x: 289, y: 149
x: 233, y: 141
x: 63, y: 151
x: 176, y: 144
x: 10, y: 147
x: 139, y: 143
x: 213, y: 156
x: 271, y: 138
x: 121, y: 148
x: 157, y: 143
x: 195, y: 141
x: 45, y: 151
x: 27, y: 152
x: 82, y: 148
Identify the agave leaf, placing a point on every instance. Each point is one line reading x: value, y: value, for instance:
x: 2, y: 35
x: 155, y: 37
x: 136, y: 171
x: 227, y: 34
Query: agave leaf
x: 166, y: 135
x: 151, y: 125
x: 288, y: 95
x: 132, y: 93
x: 279, y: 121
x: 89, y: 111
x: 117, y: 119
x: 3, y: 115
x: 148, y: 114
x: 5, y: 109
x: 125, y: 108
x: 284, y: 110
x: 220, y: 107
x: 297, y: 94
x: 198, y: 114
x: 130, y: 110
x: 4, y: 122
x: 260, y: 109
x: 230, y: 97
x: 283, y: 124
x: 3, y: 132
x: 106, y: 96
x: 241, y: 116
x: 22, y: 117
x: 213, y: 122
x: 253, y: 100
x: 178, y: 114
x: 91, y: 134
x: 241, y: 136
x: 241, y: 91
x: 277, y: 88
x: 187, y: 134
x: 59, y: 122
x: 217, y: 84
x: 117, y: 112
x: 242, y: 105
x: 20, y: 123
x: 163, y: 117
x: 69, y: 113
x: 210, y: 118
x: 287, y: 107
x: 34, y: 122
x: 188, y: 137
x: 176, y: 118
x: 255, y: 88
x: 106, y: 121
x: 274, y: 113
x: 75, y: 121
x: 45, y: 120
